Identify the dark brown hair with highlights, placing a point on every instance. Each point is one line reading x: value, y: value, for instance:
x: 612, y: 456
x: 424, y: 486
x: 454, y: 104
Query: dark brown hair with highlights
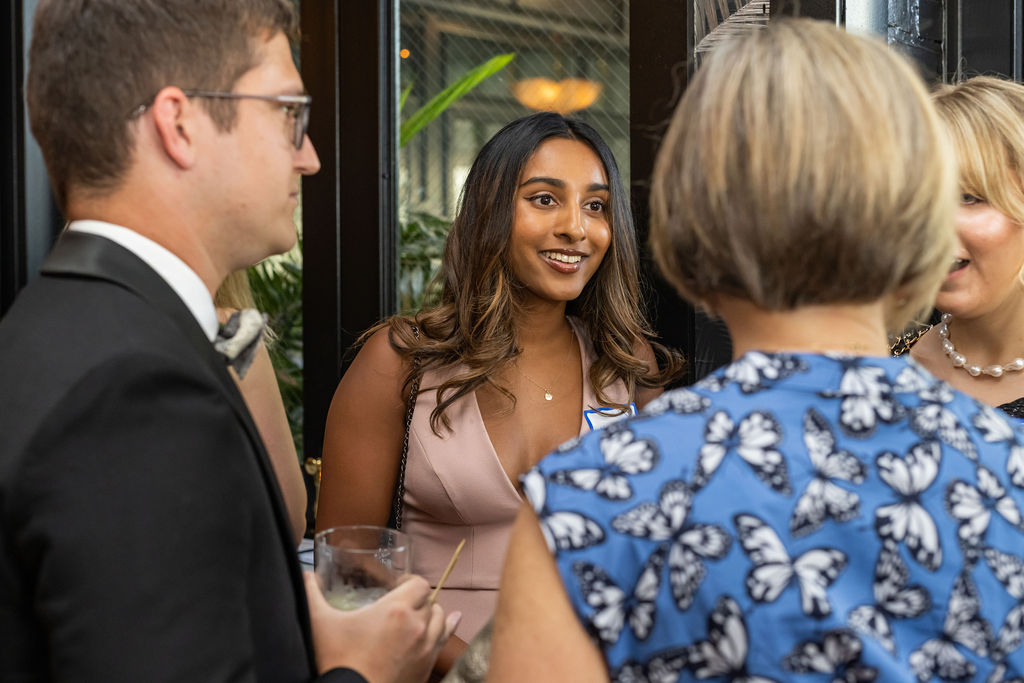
x: 92, y: 63
x: 473, y: 323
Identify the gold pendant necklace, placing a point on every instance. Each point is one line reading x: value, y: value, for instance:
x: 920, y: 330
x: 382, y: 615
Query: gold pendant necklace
x: 547, y: 392
x: 548, y: 395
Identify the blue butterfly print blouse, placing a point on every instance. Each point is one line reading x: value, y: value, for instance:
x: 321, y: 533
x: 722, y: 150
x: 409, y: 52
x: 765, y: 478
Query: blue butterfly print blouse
x: 796, y: 517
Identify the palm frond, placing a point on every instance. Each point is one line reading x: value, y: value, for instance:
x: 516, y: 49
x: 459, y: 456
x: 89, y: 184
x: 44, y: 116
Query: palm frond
x: 454, y: 92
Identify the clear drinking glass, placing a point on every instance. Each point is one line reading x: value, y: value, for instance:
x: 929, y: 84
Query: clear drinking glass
x: 358, y: 564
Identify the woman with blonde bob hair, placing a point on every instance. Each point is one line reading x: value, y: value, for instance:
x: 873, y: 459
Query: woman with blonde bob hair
x: 807, y: 508
x: 978, y: 347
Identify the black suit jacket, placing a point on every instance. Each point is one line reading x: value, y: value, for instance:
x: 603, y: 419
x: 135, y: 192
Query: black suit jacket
x: 142, y: 533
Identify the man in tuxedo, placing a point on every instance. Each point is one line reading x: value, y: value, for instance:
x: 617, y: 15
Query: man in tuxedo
x: 142, y: 533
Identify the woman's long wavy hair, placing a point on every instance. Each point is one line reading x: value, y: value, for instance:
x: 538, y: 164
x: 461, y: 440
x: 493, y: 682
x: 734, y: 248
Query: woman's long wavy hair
x: 474, y: 323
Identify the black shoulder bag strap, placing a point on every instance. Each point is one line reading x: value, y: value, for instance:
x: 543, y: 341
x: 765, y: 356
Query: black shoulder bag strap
x: 395, y: 519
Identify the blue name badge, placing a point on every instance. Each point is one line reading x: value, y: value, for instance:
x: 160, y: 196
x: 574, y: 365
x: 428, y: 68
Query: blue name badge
x: 602, y: 417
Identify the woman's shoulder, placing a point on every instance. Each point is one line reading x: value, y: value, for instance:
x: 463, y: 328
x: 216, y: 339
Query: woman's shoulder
x: 378, y: 354
x: 379, y: 344
x: 396, y: 344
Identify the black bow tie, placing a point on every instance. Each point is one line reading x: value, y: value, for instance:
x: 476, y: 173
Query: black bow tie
x: 239, y: 337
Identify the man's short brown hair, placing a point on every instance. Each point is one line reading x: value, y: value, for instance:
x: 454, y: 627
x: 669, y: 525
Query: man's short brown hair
x: 805, y: 166
x: 92, y: 63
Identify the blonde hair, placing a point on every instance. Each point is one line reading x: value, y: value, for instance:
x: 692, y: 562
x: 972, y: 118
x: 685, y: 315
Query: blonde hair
x: 805, y: 165
x: 234, y: 292
x: 985, y: 118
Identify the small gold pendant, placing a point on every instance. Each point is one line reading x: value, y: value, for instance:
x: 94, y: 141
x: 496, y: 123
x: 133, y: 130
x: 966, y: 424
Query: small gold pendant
x: 548, y: 396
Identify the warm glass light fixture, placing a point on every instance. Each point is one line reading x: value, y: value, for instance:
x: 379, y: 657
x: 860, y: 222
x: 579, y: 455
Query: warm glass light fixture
x: 564, y: 97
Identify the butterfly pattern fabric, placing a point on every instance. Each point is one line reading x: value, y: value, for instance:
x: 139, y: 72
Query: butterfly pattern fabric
x: 1009, y: 571
x: 824, y: 497
x: 624, y: 454
x: 963, y: 627
x: 995, y: 429
x: 837, y: 654
x: 613, y: 607
x: 688, y: 541
x: 754, y: 439
x: 906, y: 520
x: 796, y: 517
x: 893, y: 599
x: 773, y: 570
x: 867, y: 398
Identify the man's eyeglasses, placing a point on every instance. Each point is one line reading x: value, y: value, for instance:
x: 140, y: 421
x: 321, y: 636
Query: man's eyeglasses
x: 295, y: 106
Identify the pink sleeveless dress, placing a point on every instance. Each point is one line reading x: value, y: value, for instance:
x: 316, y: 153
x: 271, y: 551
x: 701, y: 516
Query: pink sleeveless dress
x: 455, y: 488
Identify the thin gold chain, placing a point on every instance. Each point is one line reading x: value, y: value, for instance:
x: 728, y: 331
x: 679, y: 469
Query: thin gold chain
x: 548, y: 395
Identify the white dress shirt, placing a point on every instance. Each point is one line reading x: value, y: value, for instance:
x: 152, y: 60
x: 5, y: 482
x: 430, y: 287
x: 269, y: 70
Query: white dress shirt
x: 182, y: 279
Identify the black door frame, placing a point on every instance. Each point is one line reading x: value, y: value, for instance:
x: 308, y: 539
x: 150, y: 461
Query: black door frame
x: 12, y: 135
x: 348, y: 209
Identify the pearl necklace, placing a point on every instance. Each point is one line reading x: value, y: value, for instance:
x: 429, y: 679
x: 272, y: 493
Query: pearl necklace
x: 960, y: 361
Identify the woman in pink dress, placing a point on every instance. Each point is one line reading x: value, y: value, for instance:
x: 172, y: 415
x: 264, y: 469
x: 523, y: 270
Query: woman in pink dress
x: 539, y: 321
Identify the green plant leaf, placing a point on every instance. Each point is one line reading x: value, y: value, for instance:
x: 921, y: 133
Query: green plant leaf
x: 444, y: 99
x: 277, y: 288
x: 404, y: 96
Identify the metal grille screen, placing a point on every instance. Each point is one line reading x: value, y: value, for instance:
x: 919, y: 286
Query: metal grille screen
x: 576, y: 47
x: 717, y: 20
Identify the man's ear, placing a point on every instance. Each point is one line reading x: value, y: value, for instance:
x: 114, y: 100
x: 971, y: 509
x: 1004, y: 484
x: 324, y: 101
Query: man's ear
x: 176, y: 119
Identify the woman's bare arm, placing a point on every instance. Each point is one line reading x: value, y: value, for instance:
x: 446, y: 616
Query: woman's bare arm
x: 363, y: 438
x: 263, y: 398
x: 537, y: 636
x: 363, y: 446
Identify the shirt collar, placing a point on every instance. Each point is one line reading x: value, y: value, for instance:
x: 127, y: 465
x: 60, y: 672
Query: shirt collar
x: 182, y: 279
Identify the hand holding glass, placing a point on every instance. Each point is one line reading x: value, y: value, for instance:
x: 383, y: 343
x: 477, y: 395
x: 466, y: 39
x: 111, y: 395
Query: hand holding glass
x: 358, y: 564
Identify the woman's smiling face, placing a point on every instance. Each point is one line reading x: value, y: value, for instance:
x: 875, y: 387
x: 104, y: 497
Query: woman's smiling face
x: 988, y: 259
x: 562, y: 225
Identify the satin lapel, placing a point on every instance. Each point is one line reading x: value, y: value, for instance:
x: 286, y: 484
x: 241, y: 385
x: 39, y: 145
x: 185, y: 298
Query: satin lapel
x: 90, y: 256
